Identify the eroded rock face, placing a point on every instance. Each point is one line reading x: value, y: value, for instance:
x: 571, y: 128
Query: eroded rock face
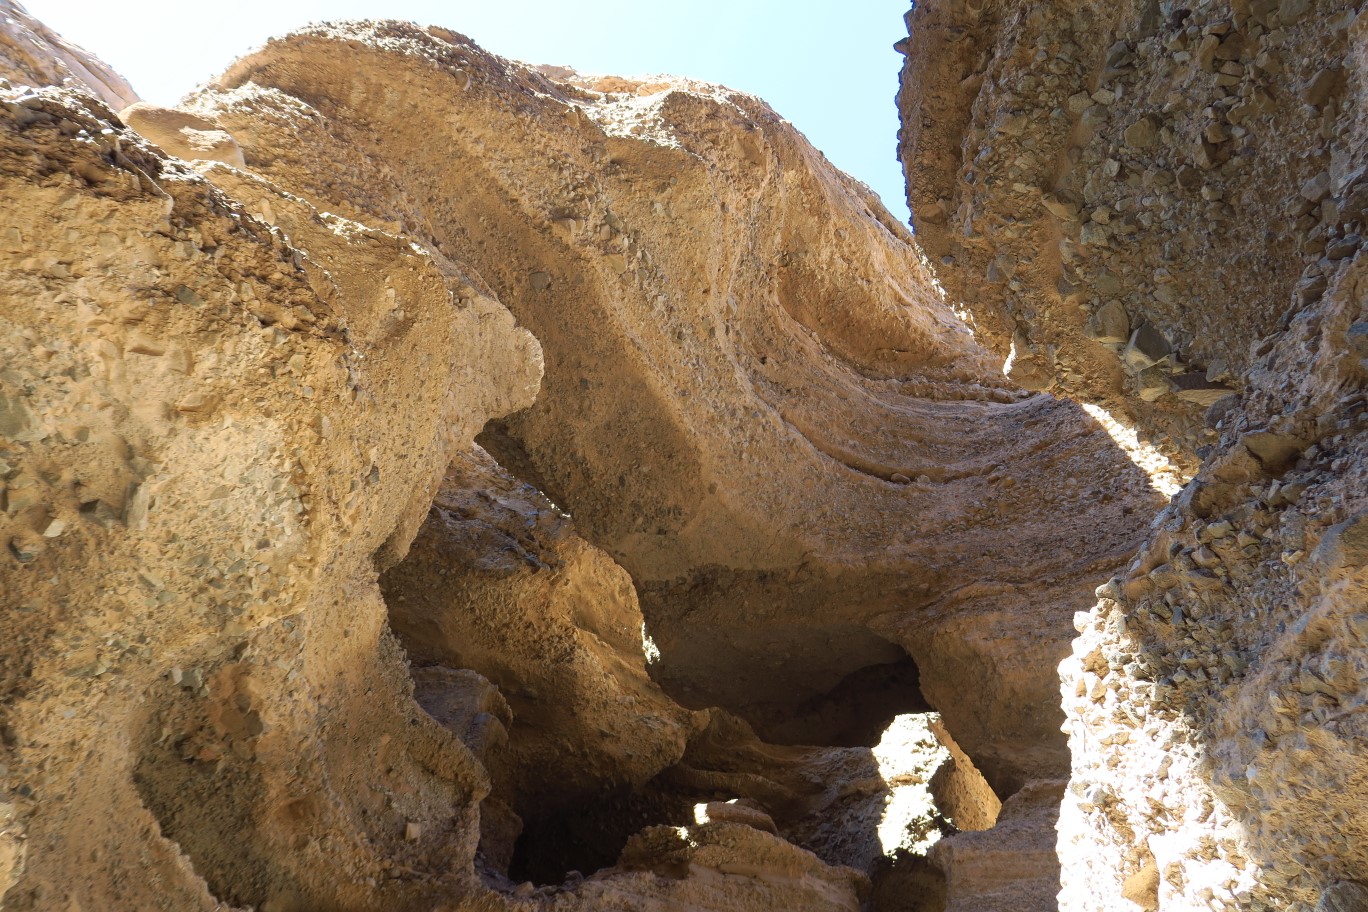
x: 182, y: 134
x: 509, y: 617
x: 1216, y: 692
x: 1189, y: 175
x: 226, y: 411
x: 214, y: 441
x: 1116, y: 190
x: 204, y: 447
x: 498, y: 583
x: 230, y: 393
x: 755, y: 400
x: 32, y: 54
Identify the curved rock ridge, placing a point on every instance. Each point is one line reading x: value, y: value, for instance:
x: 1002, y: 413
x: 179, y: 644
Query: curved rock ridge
x: 756, y: 400
x: 227, y: 404
x: 215, y: 439
x: 32, y: 54
x: 1132, y: 193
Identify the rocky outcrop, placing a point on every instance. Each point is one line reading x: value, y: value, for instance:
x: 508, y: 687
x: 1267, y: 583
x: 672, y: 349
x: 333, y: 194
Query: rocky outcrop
x: 1155, y: 207
x: 1010, y: 866
x: 755, y: 399
x: 182, y: 134
x: 1112, y: 189
x: 278, y: 634
x: 498, y: 583
x: 232, y: 391
x: 205, y: 449
x: 1216, y: 692
x: 509, y: 617
x: 214, y: 441
x: 32, y: 54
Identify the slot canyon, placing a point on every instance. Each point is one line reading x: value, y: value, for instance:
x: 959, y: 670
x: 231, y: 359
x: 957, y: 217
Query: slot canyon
x: 430, y: 481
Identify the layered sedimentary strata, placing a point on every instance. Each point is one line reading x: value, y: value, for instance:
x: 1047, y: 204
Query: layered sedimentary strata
x: 1157, y: 205
x: 278, y: 634
x: 32, y: 54
x: 232, y: 391
x: 755, y: 399
x: 214, y: 440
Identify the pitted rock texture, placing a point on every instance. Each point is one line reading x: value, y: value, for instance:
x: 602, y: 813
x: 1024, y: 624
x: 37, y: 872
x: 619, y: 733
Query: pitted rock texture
x: 214, y: 440
x: 1129, y: 195
x: 1140, y: 197
x: 204, y: 448
x: 229, y: 399
x: 1217, y: 695
x: 277, y: 634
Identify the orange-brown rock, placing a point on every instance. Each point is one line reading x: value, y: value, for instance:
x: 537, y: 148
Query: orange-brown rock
x: 755, y: 399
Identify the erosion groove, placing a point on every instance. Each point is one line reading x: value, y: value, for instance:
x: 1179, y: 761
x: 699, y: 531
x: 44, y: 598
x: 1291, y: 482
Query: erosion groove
x: 430, y: 481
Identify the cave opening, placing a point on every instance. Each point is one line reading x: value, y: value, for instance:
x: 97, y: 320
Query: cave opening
x: 525, y: 642
x: 858, y: 710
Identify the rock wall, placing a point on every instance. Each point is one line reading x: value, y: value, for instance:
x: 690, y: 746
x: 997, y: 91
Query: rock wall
x: 755, y: 399
x: 1155, y: 207
x: 277, y: 634
x: 32, y: 54
x: 210, y: 430
x: 234, y: 384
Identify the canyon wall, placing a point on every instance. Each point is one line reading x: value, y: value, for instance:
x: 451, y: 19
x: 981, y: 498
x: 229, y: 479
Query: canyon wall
x: 755, y: 398
x: 430, y: 481
x: 278, y: 634
x: 1157, y: 208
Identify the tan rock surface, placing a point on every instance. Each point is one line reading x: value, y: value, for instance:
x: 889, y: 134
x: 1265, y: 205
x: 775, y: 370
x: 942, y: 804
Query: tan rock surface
x: 32, y: 54
x: 276, y: 634
x: 755, y: 399
x: 204, y: 448
x: 214, y: 440
x: 226, y: 411
x: 497, y: 582
x: 1012, y: 866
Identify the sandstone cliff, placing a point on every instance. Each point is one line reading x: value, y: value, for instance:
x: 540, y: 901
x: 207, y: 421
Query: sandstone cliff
x: 429, y: 481
x: 234, y: 383
x: 755, y: 398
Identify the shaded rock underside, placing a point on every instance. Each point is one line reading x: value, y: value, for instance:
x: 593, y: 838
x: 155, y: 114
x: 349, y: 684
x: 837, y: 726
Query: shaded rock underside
x: 430, y: 481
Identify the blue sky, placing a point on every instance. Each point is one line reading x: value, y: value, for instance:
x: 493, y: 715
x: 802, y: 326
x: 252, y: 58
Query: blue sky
x: 826, y: 65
